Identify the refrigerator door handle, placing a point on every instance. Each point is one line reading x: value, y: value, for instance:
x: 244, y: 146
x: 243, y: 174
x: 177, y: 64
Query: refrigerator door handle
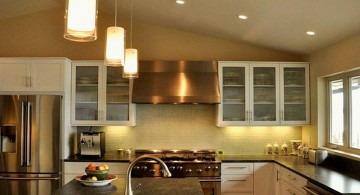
x: 28, y: 134
x: 29, y: 178
x: 23, y: 145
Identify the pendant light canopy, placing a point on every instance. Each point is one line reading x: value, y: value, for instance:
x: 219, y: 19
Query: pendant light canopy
x: 115, y: 44
x: 131, y: 56
x: 81, y: 20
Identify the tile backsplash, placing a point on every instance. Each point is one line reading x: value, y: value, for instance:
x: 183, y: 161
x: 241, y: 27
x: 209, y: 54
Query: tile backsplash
x: 191, y: 127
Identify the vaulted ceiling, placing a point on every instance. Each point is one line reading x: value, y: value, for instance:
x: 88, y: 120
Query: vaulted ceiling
x: 275, y: 24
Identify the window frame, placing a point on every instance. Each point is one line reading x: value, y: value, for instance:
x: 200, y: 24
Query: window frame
x: 346, y: 78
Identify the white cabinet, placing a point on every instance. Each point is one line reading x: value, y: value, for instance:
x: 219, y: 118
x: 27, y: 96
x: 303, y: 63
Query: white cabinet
x: 32, y: 74
x: 73, y: 169
x: 291, y: 183
x: 263, y: 93
x: 237, y: 178
x: 100, y: 96
x: 264, y: 178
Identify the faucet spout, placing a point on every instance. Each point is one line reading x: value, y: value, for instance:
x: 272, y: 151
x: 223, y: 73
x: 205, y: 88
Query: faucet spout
x: 128, y: 189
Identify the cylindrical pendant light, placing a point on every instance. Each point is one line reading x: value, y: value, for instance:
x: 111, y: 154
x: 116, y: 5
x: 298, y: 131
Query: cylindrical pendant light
x: 131, y: 63
x: 115, y: 44
x: 131, y: 56
x: 81, y: 20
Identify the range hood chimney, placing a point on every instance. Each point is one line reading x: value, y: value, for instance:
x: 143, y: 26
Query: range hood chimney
x: 176, y: 82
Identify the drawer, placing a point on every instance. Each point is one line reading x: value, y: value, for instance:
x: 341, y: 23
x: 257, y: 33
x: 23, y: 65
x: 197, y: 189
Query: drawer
x: 292, y: 178
x: 237, y: 183
x: 287, y: 189
x: 78, y: 168
x: 237, y: 168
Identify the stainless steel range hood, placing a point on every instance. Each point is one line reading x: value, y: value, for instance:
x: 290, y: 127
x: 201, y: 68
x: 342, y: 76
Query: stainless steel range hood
x: 176, y: 82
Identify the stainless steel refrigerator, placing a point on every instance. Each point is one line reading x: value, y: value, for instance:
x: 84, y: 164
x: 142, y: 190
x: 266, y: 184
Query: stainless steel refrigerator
x: 30, y: 144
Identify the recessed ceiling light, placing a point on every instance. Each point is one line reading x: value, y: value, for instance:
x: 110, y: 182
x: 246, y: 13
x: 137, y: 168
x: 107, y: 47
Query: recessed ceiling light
x: 181, y: 2
x: 310, y: 32
x: 243, y: 17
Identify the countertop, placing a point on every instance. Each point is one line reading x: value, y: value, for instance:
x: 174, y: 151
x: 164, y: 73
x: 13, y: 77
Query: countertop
x: 107, y: 157
x: 153, y: 186
x: 328, y: 178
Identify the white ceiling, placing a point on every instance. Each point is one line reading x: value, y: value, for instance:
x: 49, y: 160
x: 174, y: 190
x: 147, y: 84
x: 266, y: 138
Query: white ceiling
x: 276, y: 24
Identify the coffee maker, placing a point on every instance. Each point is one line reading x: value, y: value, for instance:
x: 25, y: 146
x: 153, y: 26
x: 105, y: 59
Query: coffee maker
x: 92, y: 144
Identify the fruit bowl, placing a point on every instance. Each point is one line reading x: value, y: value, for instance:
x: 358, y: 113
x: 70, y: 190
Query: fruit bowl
x: 99, y: 174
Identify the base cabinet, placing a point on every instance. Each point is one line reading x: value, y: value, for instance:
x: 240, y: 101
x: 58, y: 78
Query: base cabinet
x: 291, y: 183
x: 73, y: 169
x: 263, y: 178
x: 237, y: 178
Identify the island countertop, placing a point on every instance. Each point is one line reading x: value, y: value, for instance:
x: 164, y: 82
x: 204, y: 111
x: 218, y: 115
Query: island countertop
x: 149, y: 186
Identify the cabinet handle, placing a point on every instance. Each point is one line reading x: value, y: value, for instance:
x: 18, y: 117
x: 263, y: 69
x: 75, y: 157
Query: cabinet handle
x: 31, y: 81
x: 281, y: 115
x: 26, y: 81
x: 246, y: 115
x: 237, y: 167
x: 291, y: 177
x: 250, y: 116
x: 236, y: 180
x: 277, y: 175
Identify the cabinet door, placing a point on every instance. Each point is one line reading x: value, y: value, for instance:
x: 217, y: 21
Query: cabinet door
x: 287, y: 189
x: 263, y: 179
x: 14, y: 75
x: 234, y: 89
x: 294, y: 81
x: 85, y: 94
x: 47, y: 75
x: 264, y: 94
x: 118, y: 109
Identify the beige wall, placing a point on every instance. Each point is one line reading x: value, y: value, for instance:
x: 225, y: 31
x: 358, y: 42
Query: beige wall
x: 158, y: 126
x: 342, y: 56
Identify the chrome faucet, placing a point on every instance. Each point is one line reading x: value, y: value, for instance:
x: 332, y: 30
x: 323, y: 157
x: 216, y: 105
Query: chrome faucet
x: 128, y: 190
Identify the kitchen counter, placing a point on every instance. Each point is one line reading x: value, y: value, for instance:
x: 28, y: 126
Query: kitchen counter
x: 107, y: 157
x: 329, y: 179
x: 149, y: 186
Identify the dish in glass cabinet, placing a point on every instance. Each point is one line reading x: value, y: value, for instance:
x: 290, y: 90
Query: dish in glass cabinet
x: 108, y: 180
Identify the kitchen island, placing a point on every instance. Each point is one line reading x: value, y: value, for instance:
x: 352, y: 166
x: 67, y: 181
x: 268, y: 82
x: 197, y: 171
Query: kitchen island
x: 140, y: 186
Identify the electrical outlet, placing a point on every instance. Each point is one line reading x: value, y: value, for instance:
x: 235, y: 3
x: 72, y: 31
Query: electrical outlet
x: 220, y: 152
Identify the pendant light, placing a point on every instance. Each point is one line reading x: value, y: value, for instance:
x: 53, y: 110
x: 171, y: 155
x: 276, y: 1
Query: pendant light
x: 115, y: 44
x: 81, y: 20
x: 131, y: 55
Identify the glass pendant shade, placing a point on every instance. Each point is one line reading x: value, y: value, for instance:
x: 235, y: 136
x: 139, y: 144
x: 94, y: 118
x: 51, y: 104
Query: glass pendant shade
x: 115, y: 46
x: 81, y: 20
x: 131, y: 63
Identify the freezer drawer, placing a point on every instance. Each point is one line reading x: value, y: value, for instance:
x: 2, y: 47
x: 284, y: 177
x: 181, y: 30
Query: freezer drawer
x: 29, y: 184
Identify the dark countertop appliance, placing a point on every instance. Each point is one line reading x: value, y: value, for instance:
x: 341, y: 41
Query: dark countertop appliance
x: 202, y: 164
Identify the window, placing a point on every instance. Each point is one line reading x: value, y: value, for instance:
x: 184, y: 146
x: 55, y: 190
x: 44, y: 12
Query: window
x: 344, y: 111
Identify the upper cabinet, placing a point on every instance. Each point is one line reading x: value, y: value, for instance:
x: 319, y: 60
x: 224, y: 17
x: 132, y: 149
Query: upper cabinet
x: 32, y: 74
x: 260, y: 93
x: 100, y: 96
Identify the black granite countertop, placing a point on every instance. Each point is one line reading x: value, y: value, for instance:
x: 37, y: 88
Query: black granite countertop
x: 107, y: 157
x: 329, y: 178
x: 332, y: 180
x: 149, y: 186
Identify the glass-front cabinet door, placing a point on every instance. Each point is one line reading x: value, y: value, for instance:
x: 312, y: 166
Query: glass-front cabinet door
x: 234, y: 88
x: 86, y: 91
x: 100, y: 96
x: 117, y: 96
x: 294, y: 94
x: 264, y: 94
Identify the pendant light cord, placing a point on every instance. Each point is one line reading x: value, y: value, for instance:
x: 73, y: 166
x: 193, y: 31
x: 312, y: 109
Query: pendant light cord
x: 116, y: 1
x: 131, y: 25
